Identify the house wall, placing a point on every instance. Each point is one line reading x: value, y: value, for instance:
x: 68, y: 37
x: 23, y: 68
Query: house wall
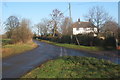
x: 83, y: 30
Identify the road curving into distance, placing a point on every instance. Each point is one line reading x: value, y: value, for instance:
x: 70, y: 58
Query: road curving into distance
x: 18, y: 65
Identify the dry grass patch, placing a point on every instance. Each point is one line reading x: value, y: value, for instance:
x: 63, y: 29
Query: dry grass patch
x: 12, y: 49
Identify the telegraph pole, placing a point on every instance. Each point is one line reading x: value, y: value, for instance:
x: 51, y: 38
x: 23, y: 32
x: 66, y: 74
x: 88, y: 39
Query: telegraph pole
x: 70, y: 19
x: 71, y: 26
x: 70, y: 11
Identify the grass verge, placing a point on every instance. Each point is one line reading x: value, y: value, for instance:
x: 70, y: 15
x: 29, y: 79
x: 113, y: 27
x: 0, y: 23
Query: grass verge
x: 12, y: 49
x: 75, y: 67
x: 73, y: 46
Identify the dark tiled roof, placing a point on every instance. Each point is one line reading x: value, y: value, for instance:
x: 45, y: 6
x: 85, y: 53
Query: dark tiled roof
x: 83, y: 25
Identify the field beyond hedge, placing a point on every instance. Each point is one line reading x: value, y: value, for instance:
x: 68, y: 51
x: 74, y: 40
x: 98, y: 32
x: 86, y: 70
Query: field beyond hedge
x: 75, y: 67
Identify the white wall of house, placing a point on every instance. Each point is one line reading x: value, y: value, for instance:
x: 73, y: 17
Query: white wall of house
x: 83, y: 30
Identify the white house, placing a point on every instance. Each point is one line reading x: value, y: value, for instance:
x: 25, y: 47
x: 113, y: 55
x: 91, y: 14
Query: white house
x: 84, y: 28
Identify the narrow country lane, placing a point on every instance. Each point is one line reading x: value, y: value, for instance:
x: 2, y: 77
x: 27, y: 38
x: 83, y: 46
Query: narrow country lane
x: 20, y: 64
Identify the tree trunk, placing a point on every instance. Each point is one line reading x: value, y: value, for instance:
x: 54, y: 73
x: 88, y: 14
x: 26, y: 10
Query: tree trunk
x: 54, y: 29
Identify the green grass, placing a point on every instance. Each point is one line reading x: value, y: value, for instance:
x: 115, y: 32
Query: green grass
x: 73, y: 46
x: 75, y: 67
x: 12, y: 49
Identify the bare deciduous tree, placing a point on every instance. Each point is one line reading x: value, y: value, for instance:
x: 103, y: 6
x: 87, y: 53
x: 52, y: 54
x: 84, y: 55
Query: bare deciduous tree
x: 56, y: 19
x: 66, y: 27
x: 22, y: 33
x: 110, y: 27
x: 43, y: 27
x: 97, y: 16
x: 11, y: 23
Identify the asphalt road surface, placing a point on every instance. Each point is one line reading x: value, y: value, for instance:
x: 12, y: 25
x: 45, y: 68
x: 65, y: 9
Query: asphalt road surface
x: 18, y: 65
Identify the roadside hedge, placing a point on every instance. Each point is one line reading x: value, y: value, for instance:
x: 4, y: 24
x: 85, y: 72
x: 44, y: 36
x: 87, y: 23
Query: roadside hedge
x: 86, y: 40
x: 6, y: 41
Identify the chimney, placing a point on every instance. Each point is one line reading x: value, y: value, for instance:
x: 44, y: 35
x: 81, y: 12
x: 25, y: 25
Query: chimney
x: 79, y: 20
x: 89, y: 20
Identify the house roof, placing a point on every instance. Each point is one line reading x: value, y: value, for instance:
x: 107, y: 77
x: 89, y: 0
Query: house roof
x: 83, y: 25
